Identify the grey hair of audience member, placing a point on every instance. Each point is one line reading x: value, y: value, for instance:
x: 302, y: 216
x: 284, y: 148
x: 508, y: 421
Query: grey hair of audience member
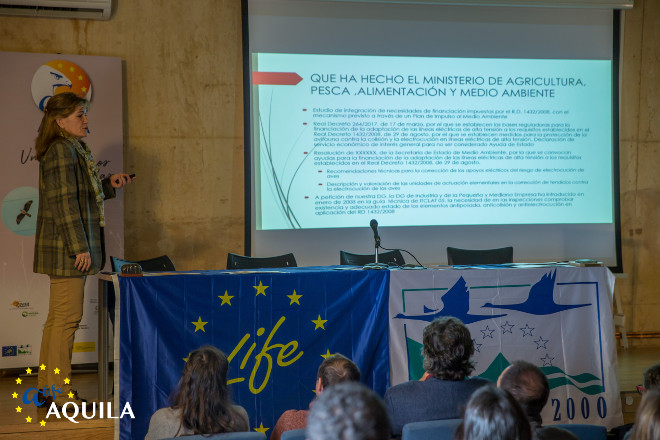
x: 493, y: 414
x: 348, y: 411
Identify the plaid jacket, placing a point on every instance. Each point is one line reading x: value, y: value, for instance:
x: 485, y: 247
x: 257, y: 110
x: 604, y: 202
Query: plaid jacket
x: 68, y: 217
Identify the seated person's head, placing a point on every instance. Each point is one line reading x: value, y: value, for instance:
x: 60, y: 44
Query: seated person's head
x: 528, y: 385
x: 203, y: 395
x: 336, y: 369
x: 647, y: 420
x: 348, y: 411
x: 652, y: 377
x: 493, y: 414
x: 447, y: 349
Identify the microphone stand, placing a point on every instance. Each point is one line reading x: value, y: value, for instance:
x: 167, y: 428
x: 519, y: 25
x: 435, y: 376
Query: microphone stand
x: 377, y: 246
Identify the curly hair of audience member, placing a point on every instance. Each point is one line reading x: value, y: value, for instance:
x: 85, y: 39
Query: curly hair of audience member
x: 348, y: 411
x: 447, y: 349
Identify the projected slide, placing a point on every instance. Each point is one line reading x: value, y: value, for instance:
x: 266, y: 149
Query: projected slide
x: 430, y: 141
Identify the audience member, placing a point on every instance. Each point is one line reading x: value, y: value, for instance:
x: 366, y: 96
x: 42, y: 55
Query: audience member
x: 202, y: 403
x: 445, y: 388
x: 529, y: 386
x: 652, y: 377
x: 493, y: 414
x: 333, y: 370
x: 647, y: 420
x: 651, y: 380
x: 348, y: 411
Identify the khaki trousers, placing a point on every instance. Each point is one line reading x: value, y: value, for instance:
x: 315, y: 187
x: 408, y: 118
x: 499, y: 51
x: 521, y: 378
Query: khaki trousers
x: 65, y: 311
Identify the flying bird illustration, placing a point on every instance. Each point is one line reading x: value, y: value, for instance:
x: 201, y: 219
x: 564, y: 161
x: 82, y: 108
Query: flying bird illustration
x: 540, y: 300
x: 456, y: 303
x: 24, y: 212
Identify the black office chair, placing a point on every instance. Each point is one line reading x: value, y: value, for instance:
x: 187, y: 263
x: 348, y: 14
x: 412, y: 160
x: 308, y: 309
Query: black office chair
x: 466, y: 257
x: 235, y: 261
x: 391, y: 258
x: 157, y: 264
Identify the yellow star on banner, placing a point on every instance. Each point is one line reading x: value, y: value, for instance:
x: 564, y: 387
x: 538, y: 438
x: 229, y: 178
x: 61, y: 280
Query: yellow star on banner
x: 199, y: 325
x: 261, y: 289
x: 319, y: 323
x: 18, y: 381
x: 261, y: 428
x: 42, y: 367
x: 42, y: 423
x: 226, y: 298
x: 70, y: 395
x: 327, y: 353
x: 294, y: 298
x: 28, y: 419
x: 67, y: 380
x: 14, y: 396
x: 57, y: 371
x: 29, y: 370
x: 186, y: 358
x: 19, y: 409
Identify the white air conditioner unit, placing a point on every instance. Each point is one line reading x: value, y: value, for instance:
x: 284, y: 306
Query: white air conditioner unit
x: 80, y: 9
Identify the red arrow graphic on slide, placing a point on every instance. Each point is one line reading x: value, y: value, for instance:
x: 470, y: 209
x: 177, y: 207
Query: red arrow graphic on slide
x: 276, y: 78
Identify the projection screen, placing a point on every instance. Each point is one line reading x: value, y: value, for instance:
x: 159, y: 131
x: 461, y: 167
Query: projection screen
x: 464, y: 126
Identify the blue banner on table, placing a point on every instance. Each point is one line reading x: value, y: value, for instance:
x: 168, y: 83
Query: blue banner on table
x: 275, y: 326
x: 558, y: 318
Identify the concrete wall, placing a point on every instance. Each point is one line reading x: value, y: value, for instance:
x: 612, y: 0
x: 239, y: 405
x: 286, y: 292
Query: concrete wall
x: 184, y: 131
x: 640, y: 175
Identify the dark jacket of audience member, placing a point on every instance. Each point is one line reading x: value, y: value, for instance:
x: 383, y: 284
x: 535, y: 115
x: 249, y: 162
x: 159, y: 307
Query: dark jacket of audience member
x: 529, y: 386
x: 647, y: 419
x: 445, y: 389
x: 348, y: 411
x: 202, y: 403
x: 333, y: 370
x: 493, y: 414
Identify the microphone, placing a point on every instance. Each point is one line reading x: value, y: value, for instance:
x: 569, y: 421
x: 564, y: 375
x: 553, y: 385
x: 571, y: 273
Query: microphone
x: 374, y: 227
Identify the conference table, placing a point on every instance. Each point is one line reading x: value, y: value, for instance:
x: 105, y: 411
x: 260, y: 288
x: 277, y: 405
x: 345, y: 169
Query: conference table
x: 277, y: 325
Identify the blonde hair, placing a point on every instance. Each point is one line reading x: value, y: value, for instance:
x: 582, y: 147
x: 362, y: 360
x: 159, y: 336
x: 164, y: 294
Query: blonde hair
x: 61, y: 105
x: 647, y: 420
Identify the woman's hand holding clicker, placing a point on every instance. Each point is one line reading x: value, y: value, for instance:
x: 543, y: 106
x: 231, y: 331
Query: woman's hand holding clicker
x: 119, y: 180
